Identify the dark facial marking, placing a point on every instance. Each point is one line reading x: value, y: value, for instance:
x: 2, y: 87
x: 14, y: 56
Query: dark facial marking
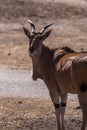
x: 31, y: 39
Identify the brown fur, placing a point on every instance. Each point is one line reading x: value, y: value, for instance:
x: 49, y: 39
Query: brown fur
x: 63, y: 71
x: 58, y: 74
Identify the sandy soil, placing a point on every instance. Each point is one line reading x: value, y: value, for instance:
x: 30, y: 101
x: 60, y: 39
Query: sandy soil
x: 35, y: 114
x: 70, y: 29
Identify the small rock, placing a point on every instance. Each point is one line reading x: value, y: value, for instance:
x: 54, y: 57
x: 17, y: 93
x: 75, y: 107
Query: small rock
x: 79, y: 107
x: 20, y: 102
x: 9, y: 54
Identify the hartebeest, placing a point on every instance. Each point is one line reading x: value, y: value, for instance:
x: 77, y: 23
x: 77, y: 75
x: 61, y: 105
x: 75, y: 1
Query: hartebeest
x: 63, y: 71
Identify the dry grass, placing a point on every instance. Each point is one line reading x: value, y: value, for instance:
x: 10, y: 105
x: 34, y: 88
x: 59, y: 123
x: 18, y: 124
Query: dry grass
x: 70, y: 28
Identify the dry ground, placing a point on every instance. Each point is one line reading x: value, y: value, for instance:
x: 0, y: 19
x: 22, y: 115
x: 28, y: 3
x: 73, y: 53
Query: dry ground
x: 35, y: 114
x: 70, y: 29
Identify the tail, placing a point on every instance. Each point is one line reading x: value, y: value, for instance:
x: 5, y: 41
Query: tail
x: 83, y: 87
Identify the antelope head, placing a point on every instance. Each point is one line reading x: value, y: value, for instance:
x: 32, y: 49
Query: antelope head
x: 36, y: 38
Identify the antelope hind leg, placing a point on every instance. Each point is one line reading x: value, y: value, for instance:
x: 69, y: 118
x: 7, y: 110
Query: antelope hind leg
x: 83, y: 102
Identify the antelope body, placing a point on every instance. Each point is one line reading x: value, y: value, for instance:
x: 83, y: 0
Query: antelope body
x: 63, y: 71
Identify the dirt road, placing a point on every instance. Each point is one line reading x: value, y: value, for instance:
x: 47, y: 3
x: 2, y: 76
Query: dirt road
x: 25, y: 105
x: 18, y: 83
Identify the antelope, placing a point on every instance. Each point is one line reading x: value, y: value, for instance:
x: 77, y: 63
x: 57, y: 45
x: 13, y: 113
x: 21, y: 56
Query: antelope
x: 62, y: 69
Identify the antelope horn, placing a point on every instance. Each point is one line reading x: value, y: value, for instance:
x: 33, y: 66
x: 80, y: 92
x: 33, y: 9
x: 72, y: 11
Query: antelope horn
x: 32, y: 25
x: 45, y: 27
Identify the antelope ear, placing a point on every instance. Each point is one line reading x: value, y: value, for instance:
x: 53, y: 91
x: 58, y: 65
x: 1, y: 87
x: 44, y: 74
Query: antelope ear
x: 27, y: 33
x: 46, y: 34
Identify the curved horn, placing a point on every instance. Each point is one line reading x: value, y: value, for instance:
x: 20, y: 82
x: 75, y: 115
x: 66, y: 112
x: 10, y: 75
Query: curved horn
x: 45, y: 27
x: 32, y: 25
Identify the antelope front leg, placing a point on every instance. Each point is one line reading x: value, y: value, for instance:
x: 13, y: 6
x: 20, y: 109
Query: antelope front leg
x: 63, y: 105
x: 55, y: 100
x: 57, y: 111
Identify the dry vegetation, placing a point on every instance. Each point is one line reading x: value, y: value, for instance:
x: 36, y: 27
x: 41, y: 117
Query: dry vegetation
x: 70, y: 28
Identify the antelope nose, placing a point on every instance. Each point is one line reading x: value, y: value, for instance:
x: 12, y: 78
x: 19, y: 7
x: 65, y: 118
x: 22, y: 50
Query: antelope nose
x: 31, y: 49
